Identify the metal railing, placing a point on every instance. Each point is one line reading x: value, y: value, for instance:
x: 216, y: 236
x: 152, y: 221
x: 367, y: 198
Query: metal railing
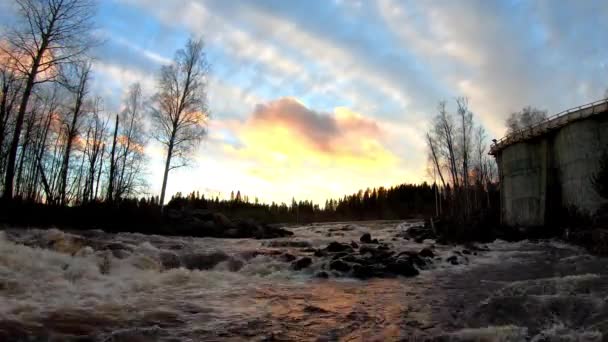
x: 523, y: 133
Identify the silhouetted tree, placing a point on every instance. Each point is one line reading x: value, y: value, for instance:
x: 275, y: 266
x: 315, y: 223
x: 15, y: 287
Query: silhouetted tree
x: 77, y: 83
x: 180, y: 111
x: 526, y: 117
x: 130, y: 156
x: 51, y: 33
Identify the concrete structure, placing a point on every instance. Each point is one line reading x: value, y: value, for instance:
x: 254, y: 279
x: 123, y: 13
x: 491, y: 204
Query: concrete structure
x: 548, y: 167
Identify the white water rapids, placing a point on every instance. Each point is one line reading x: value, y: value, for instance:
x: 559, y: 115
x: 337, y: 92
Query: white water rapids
x: 91, y: 285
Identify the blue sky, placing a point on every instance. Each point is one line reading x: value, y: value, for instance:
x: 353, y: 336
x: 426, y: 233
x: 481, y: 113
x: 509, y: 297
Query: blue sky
x: 372, y: 70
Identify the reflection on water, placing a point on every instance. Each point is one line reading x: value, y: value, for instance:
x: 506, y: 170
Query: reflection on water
x: 125, y: 287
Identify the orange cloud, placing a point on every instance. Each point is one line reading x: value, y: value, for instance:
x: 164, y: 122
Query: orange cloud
x: 324, y: 133
x: 317, y: 155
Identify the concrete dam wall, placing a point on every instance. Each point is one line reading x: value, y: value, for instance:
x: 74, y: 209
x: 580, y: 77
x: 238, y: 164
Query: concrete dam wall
x: 549, y: 167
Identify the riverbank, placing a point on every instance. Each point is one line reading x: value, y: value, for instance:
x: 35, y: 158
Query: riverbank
x: 134, y: 217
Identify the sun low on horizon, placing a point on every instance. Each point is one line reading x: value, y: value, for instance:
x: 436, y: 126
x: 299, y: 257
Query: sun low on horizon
x: 318, y: 99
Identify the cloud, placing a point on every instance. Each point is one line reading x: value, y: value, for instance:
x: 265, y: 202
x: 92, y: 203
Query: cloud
x: 313, y: 154
x: 322, y: 131
x: 288, y: 78
x: 506, y: 55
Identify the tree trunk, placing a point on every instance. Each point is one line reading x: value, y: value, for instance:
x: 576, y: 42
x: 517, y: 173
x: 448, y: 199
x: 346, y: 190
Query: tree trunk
x: 111, y: 179
x: 27, y: 92
x: 103, y: 150
x: 68, y: 152
x: 166, y: 174
x: 12, y: 155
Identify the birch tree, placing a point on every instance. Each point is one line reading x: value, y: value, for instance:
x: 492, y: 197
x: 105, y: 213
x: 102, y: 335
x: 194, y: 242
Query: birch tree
x: 180, y: 110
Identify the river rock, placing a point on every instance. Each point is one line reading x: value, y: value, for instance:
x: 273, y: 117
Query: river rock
x: 366, y: 238
x: 339, y: 266
x: 322, y: 275
x: 367, y: 271
x: 288, y: 243
x: 287, y: 257
x: 452, y: 260
x: 301, y: 263
x: 234, y: 265
x: 335, y: 247
x: 402, y: 267
x: 319, y: 253
x: 203, y: 261
x: 426, y: 253
x: 169, y: 260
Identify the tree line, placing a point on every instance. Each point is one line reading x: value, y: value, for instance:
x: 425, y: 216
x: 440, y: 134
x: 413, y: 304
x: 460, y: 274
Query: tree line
x: 59, y: 145
x: 397, y: 202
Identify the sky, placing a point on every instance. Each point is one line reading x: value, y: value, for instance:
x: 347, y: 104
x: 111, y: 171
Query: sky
x: 317, y: 99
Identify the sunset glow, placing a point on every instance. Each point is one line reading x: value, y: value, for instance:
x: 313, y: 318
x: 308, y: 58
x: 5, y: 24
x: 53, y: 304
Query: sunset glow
x: 318, y: 101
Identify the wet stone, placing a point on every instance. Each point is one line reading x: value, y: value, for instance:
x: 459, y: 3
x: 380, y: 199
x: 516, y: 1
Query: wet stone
x: 452, y: 260
x: 366, y: 238
x: 288, y: 257
x: 322, y: 275
x: 402, y: 267
x: 301, y: 263
x: 203, y: 261
x: 335, y: 247
x: 339, y: 265
x: 319, y: 253
x: 426, y: 253
x: 169, y: 260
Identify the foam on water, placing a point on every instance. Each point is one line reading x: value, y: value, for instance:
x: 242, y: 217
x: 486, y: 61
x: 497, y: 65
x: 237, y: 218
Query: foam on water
x: 129, y: 286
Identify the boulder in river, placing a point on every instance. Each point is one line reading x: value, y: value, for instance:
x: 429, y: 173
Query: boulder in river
x: 452, y: 260
x: 426, y: 253
x: 322, y: 275
x: 169, y: 260
x: 288, y: 257
x: 339, y: 266
x: 335, y: 247
x: 203, y: 261
x: 366, y: 238
x: 403, y: 267
x: 301, y: 263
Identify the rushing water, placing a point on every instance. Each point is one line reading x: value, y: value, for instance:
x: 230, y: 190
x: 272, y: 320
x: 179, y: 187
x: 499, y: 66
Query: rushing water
x: 123, y: 288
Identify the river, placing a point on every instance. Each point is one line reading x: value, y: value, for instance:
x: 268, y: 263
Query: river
x: 54, y: 287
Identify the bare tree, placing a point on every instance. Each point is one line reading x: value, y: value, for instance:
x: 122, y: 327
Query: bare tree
x: 96, y: 136
x: 480, y: 155
x: 456, y: 145
x: 466, y: 128
x: 180, y: 111
x: 444, y: 130
x: 434, y: 157
x: 127, y: 178
x: 10, y: 87
x: 80, y: 72
x: 52, y: 32
x: 528, y: 116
